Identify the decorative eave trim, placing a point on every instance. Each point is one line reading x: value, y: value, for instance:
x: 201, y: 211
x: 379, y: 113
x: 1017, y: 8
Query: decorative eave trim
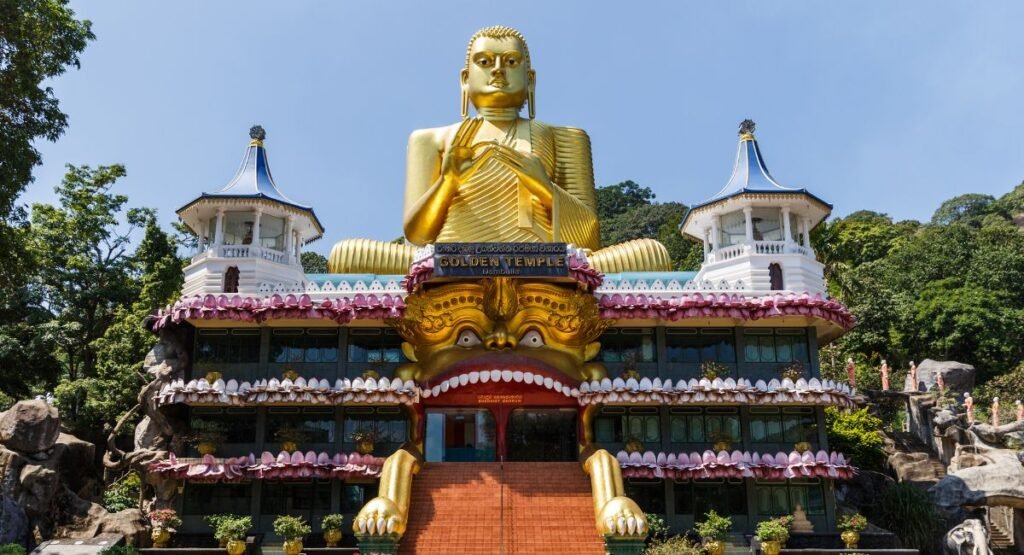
x: 242, y: 200
x: 285, y: 466
x: 718, y: 391
x: 737, y: 465
x: 288, y: 392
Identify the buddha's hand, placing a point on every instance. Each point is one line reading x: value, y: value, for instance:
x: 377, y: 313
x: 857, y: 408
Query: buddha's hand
x: 379, y: 517
x: 530, y: 169
x: 457, y: 163
x: 621, y: 516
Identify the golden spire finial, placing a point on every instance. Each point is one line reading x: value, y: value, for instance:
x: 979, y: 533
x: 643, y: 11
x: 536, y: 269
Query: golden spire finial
x: 257, y: 134
x: 747, y: 130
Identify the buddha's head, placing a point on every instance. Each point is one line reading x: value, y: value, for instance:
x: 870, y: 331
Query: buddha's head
x: 497, y: 72
x: 501, y: 323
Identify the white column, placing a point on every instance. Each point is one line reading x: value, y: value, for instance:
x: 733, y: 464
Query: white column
x: 256, y: 227
x: 298, y: 245
x: 218, y: 233
x: 807, y: 232
x: 201, y: 246
x: 750, y: 223
x: 704, y: 240
x: 786, y: 226
x: 289, y: 224
x: 714, y: 233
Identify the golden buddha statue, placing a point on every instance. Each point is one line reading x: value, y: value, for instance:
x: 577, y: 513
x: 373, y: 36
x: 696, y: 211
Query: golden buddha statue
x: 498, y: 177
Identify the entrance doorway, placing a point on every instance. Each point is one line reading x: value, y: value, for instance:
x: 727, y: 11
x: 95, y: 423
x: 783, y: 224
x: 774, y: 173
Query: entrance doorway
x: 460, y: 435
x: 536, y: 435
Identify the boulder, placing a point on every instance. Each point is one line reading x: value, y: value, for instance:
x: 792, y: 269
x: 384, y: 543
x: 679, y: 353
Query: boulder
x: 13, y: 521
x: 30, y: 427
x: 861, y: 491
x: 956, y: 375
x: 996, y: 479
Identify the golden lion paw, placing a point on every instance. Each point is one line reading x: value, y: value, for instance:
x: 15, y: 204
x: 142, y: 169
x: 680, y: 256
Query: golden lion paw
x: 379, y: 517
x: 621, y: 516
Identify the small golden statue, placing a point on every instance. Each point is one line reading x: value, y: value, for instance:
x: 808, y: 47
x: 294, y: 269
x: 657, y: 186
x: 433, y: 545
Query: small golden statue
x: 498, y: 177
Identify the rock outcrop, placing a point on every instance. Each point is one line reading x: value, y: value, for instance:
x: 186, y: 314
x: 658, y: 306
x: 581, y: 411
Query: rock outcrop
x: 955, y: 375
x: 48, y: 482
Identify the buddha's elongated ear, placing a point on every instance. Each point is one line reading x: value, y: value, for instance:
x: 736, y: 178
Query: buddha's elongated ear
x: 464, y: 78
x: 531, y: 104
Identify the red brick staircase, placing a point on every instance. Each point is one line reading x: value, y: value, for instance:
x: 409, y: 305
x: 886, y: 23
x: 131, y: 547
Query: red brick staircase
x: 475, y: 508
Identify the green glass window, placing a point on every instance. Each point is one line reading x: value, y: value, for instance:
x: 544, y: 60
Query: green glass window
x: 775, y: 345
x: 208, y: 499
x: 687, y: 345
x: 304, y: 426
x: 624, y: 345
x: 782, y: 425
x: 238, y: 425
x: 648, y: 494
x: 390, y: 422
x: 304, y: 345
x: 618, y: 425
x: 227, y: 346
x: 726, y: 497
x: 375, y: 345
x: 709, y: 425
x: 782, y: 498
x: 289, y: 497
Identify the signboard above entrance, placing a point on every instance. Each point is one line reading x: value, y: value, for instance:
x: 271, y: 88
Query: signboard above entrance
x: 501, y: 259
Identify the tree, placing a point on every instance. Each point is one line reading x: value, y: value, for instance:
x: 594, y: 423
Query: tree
x: 613, y: 200
x: 626, y: 212
x: 966, y: 209
x: 39, y: 40
x: 314, y: 263
x: 84, y: 271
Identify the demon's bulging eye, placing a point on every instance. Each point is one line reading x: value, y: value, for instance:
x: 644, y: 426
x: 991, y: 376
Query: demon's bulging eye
x: 532, y: 338
x: 467, y: 338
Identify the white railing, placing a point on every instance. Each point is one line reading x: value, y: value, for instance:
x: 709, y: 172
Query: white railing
x: 757, y: 247
x: 241, y: 251
x: 234, y: 251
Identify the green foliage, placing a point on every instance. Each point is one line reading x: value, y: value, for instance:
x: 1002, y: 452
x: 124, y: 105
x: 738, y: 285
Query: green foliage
x: 627, y: 211
x: 909, y: 513
x: 12, y: 549
x: 120, y: 550
x: 967, y: 209
x: 332, y: 522
x: 656, y: 527
x: 1008, y: 387
x: 613, y: 200
x: 772, y: 530
x: 714, y: 526
x: 313, y: 263
x: 857, y: 434
x: 853, y: 523
x: 123, y: 493
x: 675, y: 545
x: 229, y: 527
x: 291, y: 527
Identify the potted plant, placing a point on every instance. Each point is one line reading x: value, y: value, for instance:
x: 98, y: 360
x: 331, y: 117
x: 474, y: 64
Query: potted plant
x: 231, y: 531
x: 711, y: 369
x: 772, y: 534
x: 365, y: 437
x: 331, y: 526
x: 164, y: 522
x: 290, y: 436
x: 214, y: 521
x: 293, y: 530
x: 792, y: 371
x: 207, y: 435
x: 852, y: 526
x: 713, y: 530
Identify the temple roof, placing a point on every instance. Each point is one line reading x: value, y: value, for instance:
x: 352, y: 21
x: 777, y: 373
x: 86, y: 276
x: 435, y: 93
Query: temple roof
x: 253, y: 179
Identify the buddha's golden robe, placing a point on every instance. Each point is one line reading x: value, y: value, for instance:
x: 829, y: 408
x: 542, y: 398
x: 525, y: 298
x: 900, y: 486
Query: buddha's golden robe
x: 492, y: 206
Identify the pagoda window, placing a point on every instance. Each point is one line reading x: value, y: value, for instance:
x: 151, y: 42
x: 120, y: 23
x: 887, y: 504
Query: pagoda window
x: 208, y: 499
x: 775, y: 282
x: 649, y: 494
x: 619, y: 424
x: 231, y: 280
x: 733, y: 229
x: 303, y: 499
x: 311, y: 428
x: 375, y: 345
x: 389, y: 422
x: 704, y: 426
x: 227, y: 346
x: 775, y: 345
x: 690, y: 345
x: 272, y: 232
x: 295, y: 345
x: 767, y: 224
x: 782, y: 498
x: 628, y: 345
x: 781, y: 428
x: 697, y: 497
x: 238, y: 228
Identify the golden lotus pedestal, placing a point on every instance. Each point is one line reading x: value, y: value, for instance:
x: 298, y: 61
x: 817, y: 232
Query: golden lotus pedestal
x: 292, y: 547
x: 332, y: 537
x: 235, y: 547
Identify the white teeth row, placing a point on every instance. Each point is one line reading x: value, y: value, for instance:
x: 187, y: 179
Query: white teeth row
x: 648, y: 385
x: 645, y: 390
x: 496, y: 376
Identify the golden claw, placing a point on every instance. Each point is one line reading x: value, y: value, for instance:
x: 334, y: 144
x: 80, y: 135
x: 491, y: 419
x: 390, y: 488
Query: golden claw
x: 621, y: 516
x: 379, y: 517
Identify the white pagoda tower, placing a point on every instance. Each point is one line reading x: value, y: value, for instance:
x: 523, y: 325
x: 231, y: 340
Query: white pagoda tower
x: 756, y: 232
x: 250, y: 234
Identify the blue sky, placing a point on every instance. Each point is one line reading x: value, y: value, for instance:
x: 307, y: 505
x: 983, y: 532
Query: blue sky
x: 891, y: 106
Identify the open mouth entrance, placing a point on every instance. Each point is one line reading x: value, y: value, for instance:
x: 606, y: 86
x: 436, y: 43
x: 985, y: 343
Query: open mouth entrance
x: 490, y: 434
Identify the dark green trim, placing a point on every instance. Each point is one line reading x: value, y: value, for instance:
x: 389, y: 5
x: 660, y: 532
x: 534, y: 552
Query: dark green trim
x: 623, y: 546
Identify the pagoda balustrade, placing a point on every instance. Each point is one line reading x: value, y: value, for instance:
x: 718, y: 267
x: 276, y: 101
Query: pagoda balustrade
x: 757, y: 247
x: 242, y: 251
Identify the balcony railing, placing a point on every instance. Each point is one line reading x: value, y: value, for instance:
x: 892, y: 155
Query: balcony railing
x: 757, y: 247
x: 241, y: 251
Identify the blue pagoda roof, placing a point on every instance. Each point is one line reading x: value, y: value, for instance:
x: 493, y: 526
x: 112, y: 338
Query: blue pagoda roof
x: 253, y: 179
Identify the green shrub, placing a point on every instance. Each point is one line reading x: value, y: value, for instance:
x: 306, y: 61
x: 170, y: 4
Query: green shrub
x: 676, y: 545
x: 11, y: 549
x: 291, y: 527
x: 856, y: 434
x: 656, y: 527
x: 908, y: 512
x: 714, y: 527
x: 332, y: 522
x: 772, y: 530
x: 230, y: 527
x: 123, y: 493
